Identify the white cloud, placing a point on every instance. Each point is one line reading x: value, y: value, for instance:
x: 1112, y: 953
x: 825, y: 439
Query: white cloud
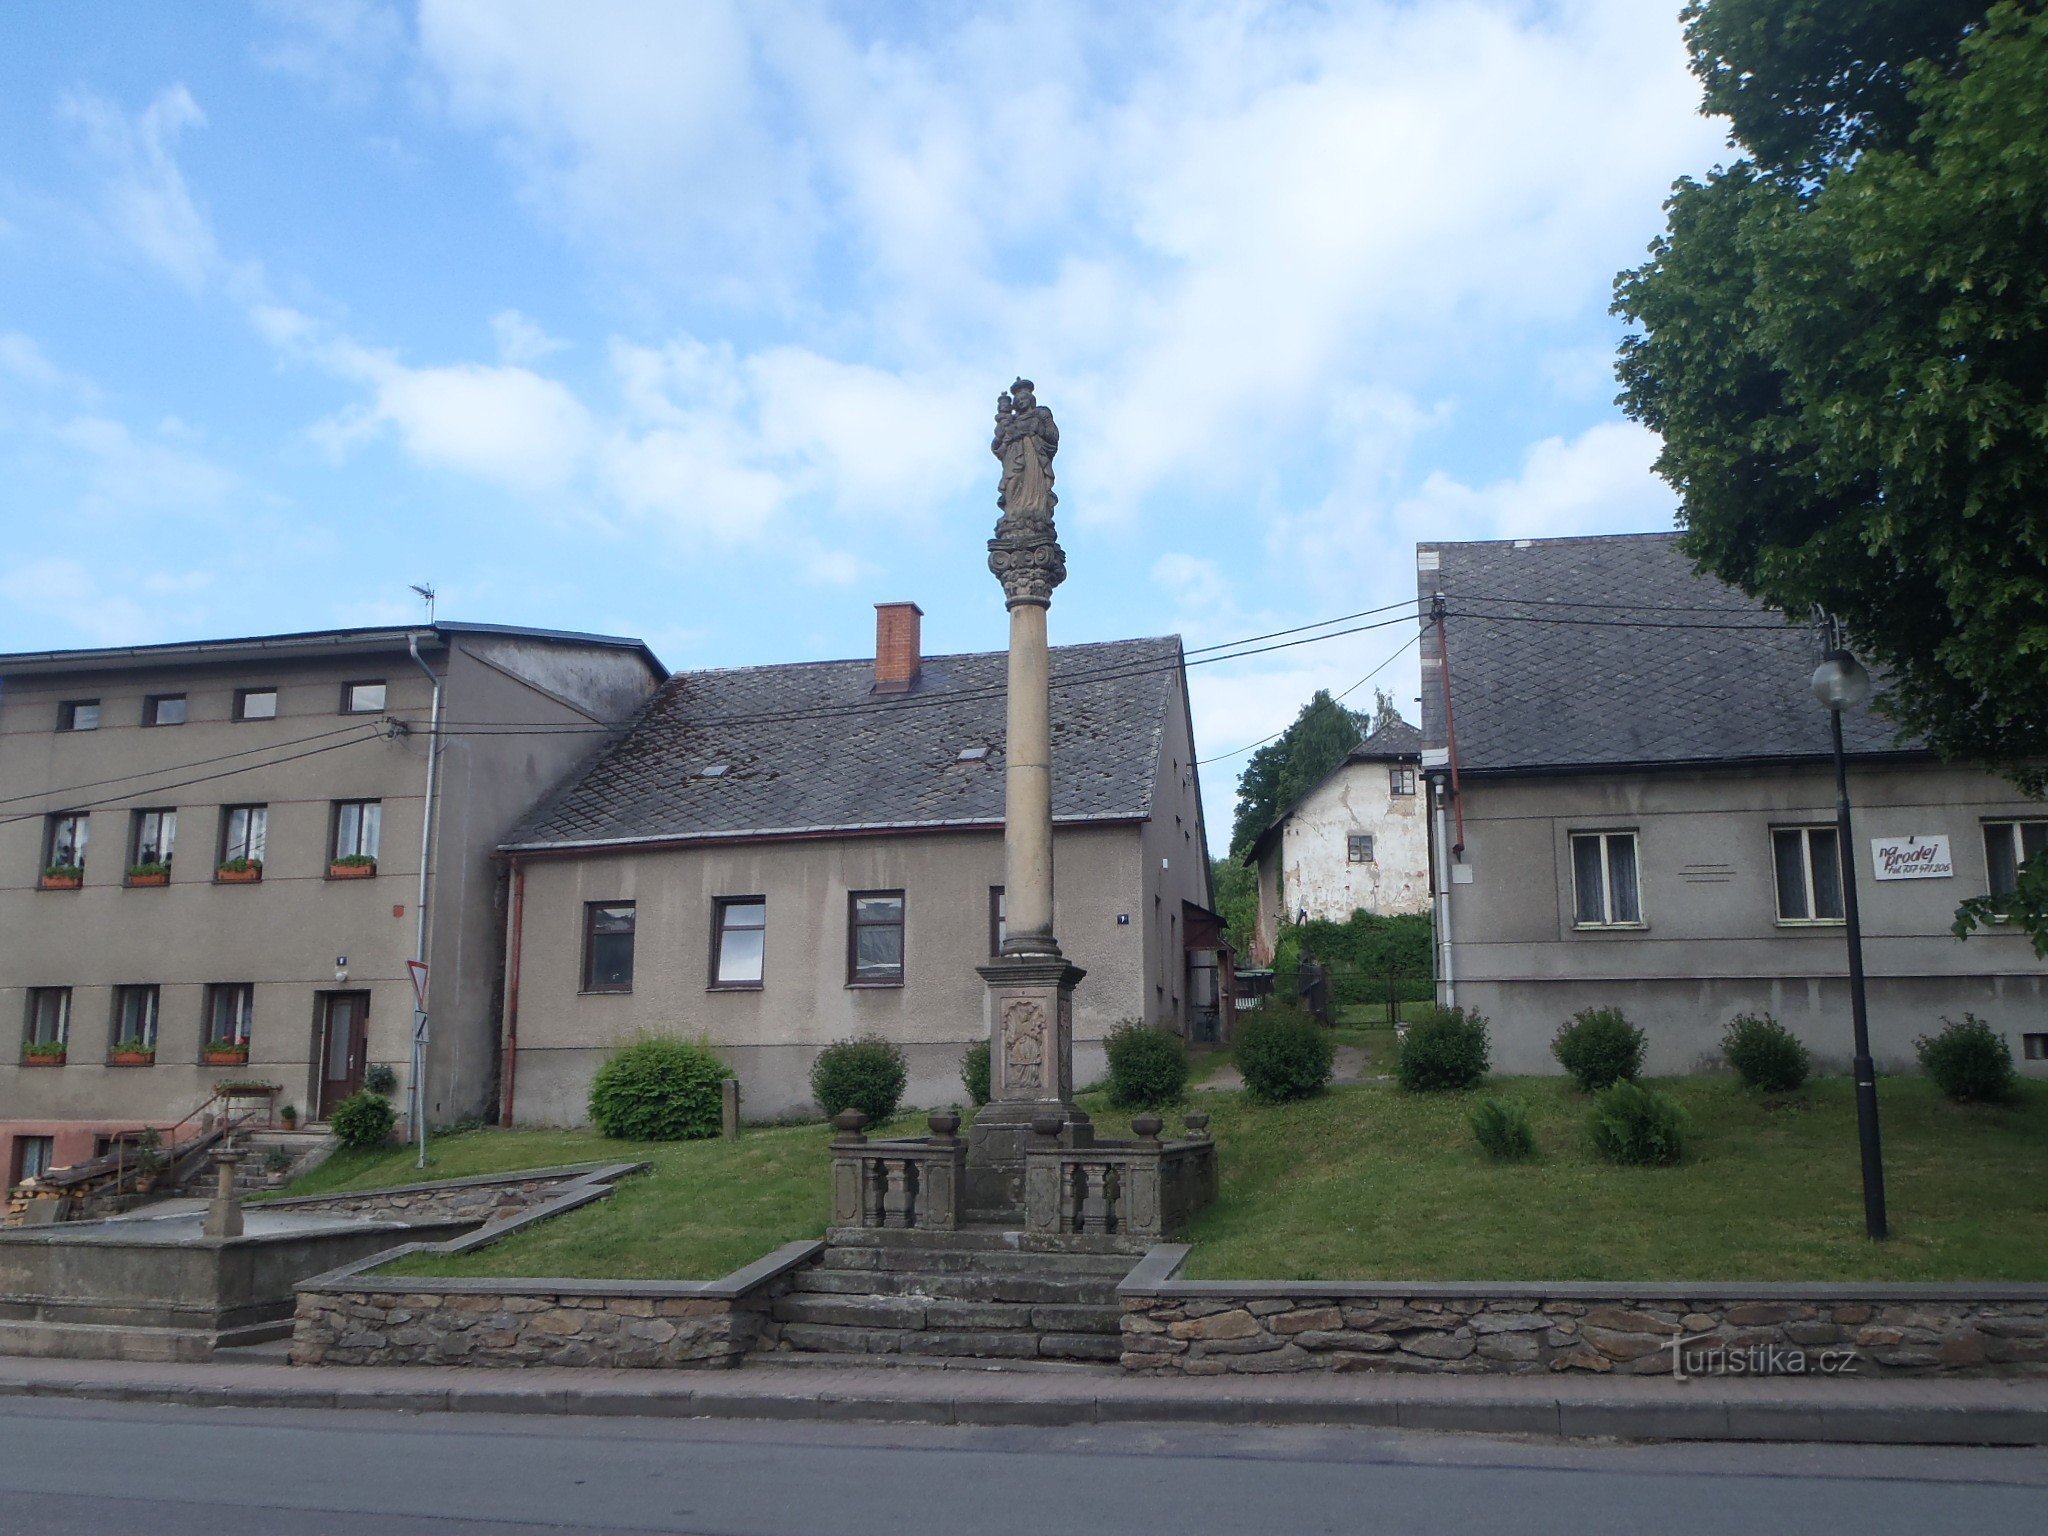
x: 338, y: 46
x: 93, y: 605
x: 508, y: 426
x: 143, y: 196
x: 520, y: 340
x: 1598, y: 482
x: 126, y: 472
x: 23, y: 359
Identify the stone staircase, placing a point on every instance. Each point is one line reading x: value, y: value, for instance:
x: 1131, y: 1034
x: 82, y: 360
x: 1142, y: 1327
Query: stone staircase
x: 905, y: 1297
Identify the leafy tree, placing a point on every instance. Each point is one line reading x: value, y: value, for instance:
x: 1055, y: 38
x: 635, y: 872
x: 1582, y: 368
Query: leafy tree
x: 1385, y: 711
x: 1236, y: 888
x: 1284, y: 770
x: 1843, y: 339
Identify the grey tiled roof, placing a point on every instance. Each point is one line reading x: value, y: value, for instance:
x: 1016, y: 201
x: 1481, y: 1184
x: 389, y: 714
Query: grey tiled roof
x: 1607, y: 651
x: 1396, y: 739
x: 807, y: 748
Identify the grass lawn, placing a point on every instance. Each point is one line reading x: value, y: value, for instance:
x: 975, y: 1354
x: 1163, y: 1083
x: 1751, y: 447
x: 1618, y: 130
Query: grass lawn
x: 1369, y: 1182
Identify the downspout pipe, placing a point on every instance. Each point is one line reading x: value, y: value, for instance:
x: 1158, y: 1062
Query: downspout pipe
x: 515, y: 924
x: 1445, y: 967
x: 419, y: 1054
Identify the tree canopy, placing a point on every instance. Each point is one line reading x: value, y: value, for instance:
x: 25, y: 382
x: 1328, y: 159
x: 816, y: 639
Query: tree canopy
x: 1285, y: 769
x: 1842, y: 337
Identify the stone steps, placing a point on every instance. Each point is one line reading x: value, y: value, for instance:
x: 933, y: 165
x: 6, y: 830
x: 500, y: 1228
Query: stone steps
x: 972, y: 1296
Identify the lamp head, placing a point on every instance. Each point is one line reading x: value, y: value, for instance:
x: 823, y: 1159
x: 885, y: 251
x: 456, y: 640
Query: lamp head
x: 1840, y: 682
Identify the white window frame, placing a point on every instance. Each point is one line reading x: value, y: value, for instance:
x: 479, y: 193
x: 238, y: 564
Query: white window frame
x: 1353, y: 854
x: 164, y: 847
x: 80, y: 823
x: 1401, y: 779
x: 2013, y: 829
x: 62, y: 998
x: 244, y: 695
x: 242, y: 1018
x: 1606, y: 922
x: 368, y: 829
x: 152, y: 1010
x: 1806, y: 831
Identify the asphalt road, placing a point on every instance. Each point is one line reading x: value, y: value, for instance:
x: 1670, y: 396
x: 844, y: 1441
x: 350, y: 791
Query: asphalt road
x: 70, y: 1468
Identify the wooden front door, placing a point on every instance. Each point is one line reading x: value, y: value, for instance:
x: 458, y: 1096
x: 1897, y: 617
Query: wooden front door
x: 344, y: 1031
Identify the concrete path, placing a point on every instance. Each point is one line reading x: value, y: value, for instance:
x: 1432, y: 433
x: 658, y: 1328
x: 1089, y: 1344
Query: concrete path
x: 1943, y: 1412
x: 225, y: 1472
x: 1354, y: 1064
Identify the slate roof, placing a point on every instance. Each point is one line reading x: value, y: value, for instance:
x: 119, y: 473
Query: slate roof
x: 806, y: 748
x: 1391, y: 742
x: 1612, y: 651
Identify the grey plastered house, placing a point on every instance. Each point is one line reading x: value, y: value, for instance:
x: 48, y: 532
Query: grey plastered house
x: 1645, y: 802
x: 779, y: 857
x: 250, y: 815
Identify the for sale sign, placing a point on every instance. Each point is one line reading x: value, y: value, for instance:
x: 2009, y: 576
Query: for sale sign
x: 1924, y: 856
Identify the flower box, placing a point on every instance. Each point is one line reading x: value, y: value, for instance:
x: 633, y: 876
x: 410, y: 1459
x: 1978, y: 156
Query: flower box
x: 238, y: 872
x: 63, y: 879
x: 344, y: 869
x: 35, y: 1058
x: 215, y: 1055
x: 135, y: 1056
x: 145, y: 878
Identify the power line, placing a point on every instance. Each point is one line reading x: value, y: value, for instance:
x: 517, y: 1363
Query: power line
x: 1375, y: 672
x: 180, y: 767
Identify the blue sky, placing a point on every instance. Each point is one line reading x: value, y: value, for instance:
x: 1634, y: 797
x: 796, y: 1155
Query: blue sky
x: 687, y: 321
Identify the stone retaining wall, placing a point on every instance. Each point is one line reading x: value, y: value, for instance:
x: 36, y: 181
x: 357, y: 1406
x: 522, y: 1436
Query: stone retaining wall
x: 497, y: 1197
x: 1206, y: 1328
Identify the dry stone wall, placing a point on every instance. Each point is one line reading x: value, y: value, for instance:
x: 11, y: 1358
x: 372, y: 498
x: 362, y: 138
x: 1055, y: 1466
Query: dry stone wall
x: 1213, y: 1328
x: 495, y: 1198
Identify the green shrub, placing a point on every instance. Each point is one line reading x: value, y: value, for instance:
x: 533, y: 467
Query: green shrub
x: 866, y: 1073
x: 1444, y: 1048
x: 363, y: 1120
x: 1503, y: 1131
x: 1634, y: 1124
x: 1283, y: 1053
x: 1361, y: 952
x: 659, y: 1089
x: 1969, y: 1061
x: 1765, y: 1053
x: 381, y: 1079
x: 1599, y: 1048
x: 974, y: 1071
x: 1148, y: 1068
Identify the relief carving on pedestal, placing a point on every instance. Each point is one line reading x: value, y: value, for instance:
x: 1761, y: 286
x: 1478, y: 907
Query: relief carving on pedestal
x: 1023, y: 1047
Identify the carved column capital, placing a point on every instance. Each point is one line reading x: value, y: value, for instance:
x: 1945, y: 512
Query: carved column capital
x: 1028, y: 566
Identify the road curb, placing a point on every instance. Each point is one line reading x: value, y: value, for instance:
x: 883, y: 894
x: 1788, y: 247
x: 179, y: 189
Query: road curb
x: 2021, y: 1419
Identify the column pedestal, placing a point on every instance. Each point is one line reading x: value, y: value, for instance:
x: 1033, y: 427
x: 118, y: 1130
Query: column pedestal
x: 1031, y: 1079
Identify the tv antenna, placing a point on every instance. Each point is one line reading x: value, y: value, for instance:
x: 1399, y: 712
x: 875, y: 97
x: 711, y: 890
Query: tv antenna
x: 426, y: 592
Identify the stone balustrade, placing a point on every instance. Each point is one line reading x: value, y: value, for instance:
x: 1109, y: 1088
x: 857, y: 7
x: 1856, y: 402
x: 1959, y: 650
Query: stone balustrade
x: 906, y: 1183
x: 1137, y: 1192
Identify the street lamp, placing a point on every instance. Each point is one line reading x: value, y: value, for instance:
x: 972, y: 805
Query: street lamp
x: 1840, y: 683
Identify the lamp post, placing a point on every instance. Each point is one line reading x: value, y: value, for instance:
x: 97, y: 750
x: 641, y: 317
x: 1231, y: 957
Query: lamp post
x: 1840, y: 683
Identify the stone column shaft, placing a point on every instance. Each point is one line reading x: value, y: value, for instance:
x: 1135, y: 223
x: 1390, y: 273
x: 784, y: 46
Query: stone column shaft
x: 1027, y: 789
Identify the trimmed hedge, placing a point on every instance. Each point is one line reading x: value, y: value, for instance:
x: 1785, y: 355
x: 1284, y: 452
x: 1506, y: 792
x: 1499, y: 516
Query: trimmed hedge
x: 866, y: 1073
x: 1282, y: 1053
x: 1765, y: 1053
x: 363, y: 1119
x: 1360, y: 952
x: 659, y: 1089
x: 1599, y: 1048
x: 1148, y: 1068
x: 1445, y: 1048
x: 1969, y: 1061
x: 974, y: 1071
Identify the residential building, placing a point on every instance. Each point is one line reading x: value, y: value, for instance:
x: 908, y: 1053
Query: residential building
x: 1358, y: 840
x: 779, y: 857
x: 1633, y: 804
x: 211, y: 862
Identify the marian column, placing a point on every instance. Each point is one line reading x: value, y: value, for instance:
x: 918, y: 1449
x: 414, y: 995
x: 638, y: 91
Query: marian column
x: 1030, y: 984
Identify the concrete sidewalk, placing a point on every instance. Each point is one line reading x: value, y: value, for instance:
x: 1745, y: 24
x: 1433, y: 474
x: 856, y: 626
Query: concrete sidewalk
x: 1954, y: 1412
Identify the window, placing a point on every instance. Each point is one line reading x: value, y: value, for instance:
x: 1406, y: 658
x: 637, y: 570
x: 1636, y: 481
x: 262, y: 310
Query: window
x: 230, y: 1013
x: 255, y: 703
x: 362, y: 698
x: 135, y: 1010
x: 356, y: 824
x: 156, y: 833
x: 1358, y: 848
x: 49, y: 1016
x: 33, y: 1156
x: 2035, y: 1047
x: 608, y: 946
x: 164, y: 709
x: 1604, y: 880
x: 998, y: 920
x: 242, y: 830
x: 2008, y: 845
x: 1401, y: 780
x: 738, y: 935
x: 1809, y: 870
x: 64, y: 843
x: 874, y: 949
x: 78, y: 715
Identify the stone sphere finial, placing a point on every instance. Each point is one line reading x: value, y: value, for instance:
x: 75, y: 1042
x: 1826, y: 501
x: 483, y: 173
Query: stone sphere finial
x: 849, y: 1123
x: 1147, y: 1127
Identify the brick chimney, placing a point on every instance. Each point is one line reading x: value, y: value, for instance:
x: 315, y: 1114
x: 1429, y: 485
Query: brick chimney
x: 898, y: 646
